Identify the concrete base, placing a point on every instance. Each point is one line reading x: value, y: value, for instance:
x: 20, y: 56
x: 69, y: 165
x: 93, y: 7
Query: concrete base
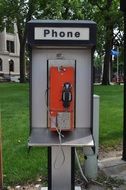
x: 114, y: 167
x: 76, y: 188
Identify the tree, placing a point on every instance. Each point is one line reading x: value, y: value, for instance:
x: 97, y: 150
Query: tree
x: 108, y: 18
x: 20, y: 12
x: 105, y: 12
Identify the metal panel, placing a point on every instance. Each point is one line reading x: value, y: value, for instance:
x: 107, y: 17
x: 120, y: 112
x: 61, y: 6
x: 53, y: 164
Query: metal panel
x: 62, y: 61
x: 44, y: 137
x: 96, y: 102
x: 82, y: 57
x: 61, y: 168
x: 83, y: 82
x: 91, y: 163
x: 39, y: 86
x: 83, y: 89
x: 63, y: 120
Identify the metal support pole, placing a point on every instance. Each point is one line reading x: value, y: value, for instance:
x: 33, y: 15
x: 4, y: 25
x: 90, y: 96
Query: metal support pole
x: 61, y: 168
x: 124, y: 113
x: 91, y: 162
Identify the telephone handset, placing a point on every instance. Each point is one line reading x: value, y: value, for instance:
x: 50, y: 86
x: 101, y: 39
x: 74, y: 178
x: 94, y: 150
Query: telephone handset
x: 67, y: 94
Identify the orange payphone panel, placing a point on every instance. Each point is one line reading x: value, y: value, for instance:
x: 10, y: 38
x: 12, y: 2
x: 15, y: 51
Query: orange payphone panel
x: 61, y: 98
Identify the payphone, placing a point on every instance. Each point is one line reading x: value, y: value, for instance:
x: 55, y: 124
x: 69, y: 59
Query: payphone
x: 61, y: 98
x: 61, y: 92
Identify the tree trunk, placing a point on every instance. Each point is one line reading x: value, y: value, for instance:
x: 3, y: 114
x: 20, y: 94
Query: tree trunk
x: 22, y: 63
x: 107, y: 58
x: 105, y: 80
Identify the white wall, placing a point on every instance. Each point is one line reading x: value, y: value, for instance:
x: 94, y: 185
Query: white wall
x: 6, y: 56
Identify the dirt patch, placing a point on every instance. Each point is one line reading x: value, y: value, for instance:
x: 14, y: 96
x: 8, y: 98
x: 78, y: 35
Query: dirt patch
x: 25, y: 187
x: 110, y: 152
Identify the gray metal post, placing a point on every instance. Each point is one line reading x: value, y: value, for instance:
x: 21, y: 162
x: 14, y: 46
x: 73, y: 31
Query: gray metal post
x: 91, y: 161
x: 61, y: 167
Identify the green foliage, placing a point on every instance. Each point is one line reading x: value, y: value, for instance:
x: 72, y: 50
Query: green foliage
x: 99, y: 10
x: 61, y: 9
x: 106, y: 14
x: 98, y: 61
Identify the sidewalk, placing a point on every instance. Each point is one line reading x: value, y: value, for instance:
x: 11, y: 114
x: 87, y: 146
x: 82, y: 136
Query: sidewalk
x: 114, y: 169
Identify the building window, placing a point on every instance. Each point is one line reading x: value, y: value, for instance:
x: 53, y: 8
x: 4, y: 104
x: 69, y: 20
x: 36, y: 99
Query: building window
x: 11, y: 65
x: 1, y: 64
x: 10, y: 46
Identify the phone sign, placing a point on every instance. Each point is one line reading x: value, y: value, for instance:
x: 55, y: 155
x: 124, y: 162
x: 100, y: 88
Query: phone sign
x: 59, y: 33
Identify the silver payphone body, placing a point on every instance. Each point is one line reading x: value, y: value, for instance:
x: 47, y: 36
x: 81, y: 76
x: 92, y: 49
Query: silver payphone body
x: 61, y: 88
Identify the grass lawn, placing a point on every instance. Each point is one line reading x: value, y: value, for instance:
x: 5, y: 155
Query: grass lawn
x: 19, y: 166
x: 111, y: 114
